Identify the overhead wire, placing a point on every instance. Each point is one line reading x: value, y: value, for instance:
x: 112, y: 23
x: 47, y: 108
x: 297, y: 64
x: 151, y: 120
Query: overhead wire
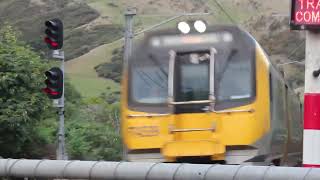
x: 302, y: 42
x: 221, y: 7
x: 142, y: 73
x: 176, y: 16
x: 234, y: 22
x: 224, y: 11
x: 292, y: 53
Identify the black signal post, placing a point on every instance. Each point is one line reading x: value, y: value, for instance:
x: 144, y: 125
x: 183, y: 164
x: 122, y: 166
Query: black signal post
x: 55, y: 78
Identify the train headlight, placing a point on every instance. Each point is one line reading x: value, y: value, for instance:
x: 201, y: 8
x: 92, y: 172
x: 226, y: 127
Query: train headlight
x: 200, y: 26
x: 184, y: 27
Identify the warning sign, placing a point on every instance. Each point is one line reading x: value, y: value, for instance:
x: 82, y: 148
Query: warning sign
x: 305, y: 14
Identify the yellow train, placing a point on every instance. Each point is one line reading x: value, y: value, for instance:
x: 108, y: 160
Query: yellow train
x: 212, y: 95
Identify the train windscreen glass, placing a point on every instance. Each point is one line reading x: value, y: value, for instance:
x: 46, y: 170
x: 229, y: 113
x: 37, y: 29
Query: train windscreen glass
x: 233, y: 79
x: 150, y: 83
x: 192, y: 77
x: 234, y: 72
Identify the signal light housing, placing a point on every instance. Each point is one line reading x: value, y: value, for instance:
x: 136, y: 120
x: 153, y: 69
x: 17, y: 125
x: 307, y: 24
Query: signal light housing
x: 54, y: 83
x: 54, y: 34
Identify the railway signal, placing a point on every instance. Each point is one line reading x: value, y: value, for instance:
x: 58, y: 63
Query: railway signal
x: 55, y: 78
x: 54, y: 83
x: 54, y: 34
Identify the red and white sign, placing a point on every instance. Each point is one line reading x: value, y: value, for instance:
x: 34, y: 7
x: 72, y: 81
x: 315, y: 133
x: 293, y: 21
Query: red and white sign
x: 305, y: 13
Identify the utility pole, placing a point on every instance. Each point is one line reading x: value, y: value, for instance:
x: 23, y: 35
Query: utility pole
x: 128, y: 34
x: 311, y: 134
x: 128, y: 39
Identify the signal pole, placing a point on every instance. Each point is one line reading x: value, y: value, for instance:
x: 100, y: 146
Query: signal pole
x: 59, y: 103
x: 54, y: 41
x: 128, y: 38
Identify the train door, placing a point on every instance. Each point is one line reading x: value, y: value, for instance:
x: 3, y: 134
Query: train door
x: 191, y: 82
x: 191, y: 99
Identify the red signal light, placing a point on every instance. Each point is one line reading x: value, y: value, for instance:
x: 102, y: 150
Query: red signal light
x: 54, y: 34
x: 49, y: 91
x: 54, y: 44
x: 54, y: 93
x: 49, y: 41
x: 54, y: 83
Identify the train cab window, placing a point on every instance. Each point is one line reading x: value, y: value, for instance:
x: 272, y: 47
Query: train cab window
x: 150, y: 82
x: 234, y: 76
x: 234, y: 79
x: 192, y: 77
x: 191, y: 81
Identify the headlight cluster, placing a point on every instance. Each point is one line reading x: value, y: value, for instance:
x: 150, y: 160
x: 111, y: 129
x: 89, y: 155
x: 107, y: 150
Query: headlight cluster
x: 199, y: 25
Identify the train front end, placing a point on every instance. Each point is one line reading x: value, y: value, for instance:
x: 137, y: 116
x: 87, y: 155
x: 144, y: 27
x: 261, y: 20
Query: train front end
x: 194, y: 96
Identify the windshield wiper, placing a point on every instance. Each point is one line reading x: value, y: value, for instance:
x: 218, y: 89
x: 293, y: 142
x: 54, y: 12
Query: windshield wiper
x: 227, y: 62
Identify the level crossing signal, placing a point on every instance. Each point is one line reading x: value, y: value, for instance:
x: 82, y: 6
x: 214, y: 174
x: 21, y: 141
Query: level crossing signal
x: 54, y: 34
x: 54, y: 83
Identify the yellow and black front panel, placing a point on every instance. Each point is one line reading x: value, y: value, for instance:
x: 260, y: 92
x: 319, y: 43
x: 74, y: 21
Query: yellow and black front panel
x: 191, y: 123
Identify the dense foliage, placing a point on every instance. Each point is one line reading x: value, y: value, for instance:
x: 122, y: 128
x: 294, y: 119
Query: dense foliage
x: 93, y: 134
x: 21, y: 102
x: 113, y: 69
x: 28, y: 123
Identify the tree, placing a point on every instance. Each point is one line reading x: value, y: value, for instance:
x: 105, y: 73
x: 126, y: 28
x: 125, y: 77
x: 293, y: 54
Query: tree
x: 21, y: 102
x: 28, y: 125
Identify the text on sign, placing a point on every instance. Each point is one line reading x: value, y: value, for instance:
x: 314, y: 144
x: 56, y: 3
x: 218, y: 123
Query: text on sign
x: 307, y: 12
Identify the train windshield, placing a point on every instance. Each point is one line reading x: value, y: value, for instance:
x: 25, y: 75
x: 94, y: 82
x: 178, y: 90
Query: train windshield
x: 192, y: 77
x: 234, y: 80
x: 150, y: 82
x: 234, y: 76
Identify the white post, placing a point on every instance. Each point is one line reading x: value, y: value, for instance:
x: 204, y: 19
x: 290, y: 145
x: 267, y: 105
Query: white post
x: 311, y: 134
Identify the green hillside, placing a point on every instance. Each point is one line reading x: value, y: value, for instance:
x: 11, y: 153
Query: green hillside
x: 90, y: 25
x: 28, y: 16
x: 150, y: 12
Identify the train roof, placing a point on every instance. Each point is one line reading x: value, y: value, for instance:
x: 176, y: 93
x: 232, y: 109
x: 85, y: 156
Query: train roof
x: 213, y: 28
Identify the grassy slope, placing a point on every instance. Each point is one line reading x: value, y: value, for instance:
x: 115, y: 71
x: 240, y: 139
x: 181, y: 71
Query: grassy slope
x: 81, y: 70
x: 83, y: 76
